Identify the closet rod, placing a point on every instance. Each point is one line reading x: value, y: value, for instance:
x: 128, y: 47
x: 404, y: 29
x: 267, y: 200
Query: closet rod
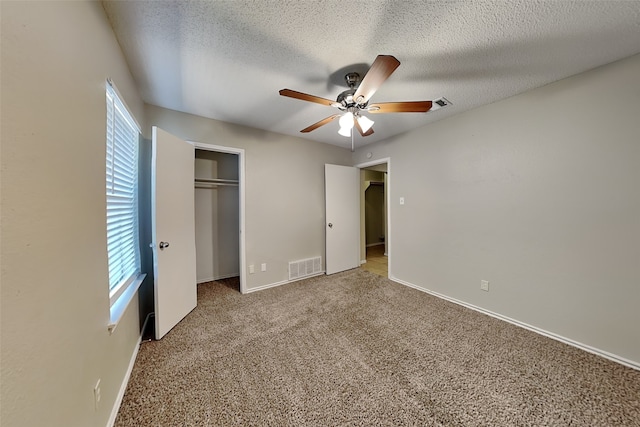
x: 217, y: 180
x: 214, y: 184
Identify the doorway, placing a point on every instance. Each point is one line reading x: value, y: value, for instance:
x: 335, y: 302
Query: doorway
x: 219, y: 215
x: 374, y: 217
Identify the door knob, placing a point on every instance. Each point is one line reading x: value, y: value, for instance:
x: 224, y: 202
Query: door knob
x: 330, y: 225
x: 163, y: 245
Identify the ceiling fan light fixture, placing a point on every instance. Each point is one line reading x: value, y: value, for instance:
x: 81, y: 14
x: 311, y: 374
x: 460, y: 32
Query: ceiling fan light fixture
x: 346, y: 121
x: 365, y: 123
x: 345, y: 131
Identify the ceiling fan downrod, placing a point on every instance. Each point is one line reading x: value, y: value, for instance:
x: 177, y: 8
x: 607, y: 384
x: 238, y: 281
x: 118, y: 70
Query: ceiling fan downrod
x: 353, y: 79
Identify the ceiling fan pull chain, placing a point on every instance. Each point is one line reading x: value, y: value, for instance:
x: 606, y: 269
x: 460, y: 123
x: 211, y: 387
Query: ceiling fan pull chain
x: 353, y: 148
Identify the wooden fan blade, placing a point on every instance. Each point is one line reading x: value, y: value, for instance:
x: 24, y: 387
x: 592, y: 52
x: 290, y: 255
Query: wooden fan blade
x: 380, y: 70
x: 320, y: 123
x: 306, y: 97
x: 367, y: 133
x: 400, y: 107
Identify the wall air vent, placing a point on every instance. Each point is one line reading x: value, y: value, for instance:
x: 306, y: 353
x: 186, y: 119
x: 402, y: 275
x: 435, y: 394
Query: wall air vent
x: 440, y: 103
x: 304, y: 268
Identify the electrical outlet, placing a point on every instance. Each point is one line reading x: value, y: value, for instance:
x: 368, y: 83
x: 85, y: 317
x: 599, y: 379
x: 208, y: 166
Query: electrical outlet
x: 263, y: 267
x: 96, y: 395
x: 484, y: 285
x: 252, y: 269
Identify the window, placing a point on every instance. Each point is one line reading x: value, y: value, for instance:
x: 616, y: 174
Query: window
x: 123, y: 246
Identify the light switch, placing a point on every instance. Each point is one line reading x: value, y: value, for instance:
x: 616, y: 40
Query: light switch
x: 402, y: 200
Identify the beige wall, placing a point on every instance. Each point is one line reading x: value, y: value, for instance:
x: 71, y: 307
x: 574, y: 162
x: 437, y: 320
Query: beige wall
x: 284, y: 187
x: 537, y: 194
x: 56, y: 57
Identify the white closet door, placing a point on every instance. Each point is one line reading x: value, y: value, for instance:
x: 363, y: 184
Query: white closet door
x: 173, y: 228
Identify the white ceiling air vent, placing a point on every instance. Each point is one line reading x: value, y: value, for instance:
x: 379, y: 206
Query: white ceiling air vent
x: 439, y: 103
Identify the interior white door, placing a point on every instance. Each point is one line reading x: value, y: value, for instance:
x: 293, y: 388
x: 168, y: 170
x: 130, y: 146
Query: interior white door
x: 342, y: 213
x: 173, y: 229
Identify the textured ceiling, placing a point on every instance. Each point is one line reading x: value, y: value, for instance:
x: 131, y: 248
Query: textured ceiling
x: 227, y: 60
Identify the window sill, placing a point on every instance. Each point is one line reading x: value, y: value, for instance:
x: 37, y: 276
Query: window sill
x: 120, y: 306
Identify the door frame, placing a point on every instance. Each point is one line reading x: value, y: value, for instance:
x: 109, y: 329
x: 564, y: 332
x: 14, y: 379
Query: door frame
x: 387, y: 196
x: 241, y: 177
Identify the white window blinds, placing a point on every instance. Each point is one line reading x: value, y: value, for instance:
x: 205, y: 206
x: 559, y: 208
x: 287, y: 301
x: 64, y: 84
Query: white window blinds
x: 122, y: 195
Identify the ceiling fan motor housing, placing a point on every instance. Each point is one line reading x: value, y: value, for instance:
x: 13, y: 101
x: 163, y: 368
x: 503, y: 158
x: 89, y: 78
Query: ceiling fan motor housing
x: 345, y: 99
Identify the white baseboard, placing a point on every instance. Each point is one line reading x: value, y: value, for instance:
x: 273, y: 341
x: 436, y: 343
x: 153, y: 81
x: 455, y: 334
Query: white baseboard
x: 211, y: 279
x: 284, y: 282
x: 581, y: 346
x: 374, y: 244
x: 363, y: 261
x: 125, y: 381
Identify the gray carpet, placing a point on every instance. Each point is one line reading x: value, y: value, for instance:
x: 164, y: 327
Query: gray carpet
x: 357, y: 349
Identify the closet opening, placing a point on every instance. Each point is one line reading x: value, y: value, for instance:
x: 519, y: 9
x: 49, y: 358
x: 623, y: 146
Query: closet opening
x: 218, y: 213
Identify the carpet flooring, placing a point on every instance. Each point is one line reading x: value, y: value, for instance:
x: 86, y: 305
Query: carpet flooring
x: 357, y: 349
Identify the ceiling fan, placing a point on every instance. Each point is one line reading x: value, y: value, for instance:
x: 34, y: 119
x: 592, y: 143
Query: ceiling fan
x: 355, y: 100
